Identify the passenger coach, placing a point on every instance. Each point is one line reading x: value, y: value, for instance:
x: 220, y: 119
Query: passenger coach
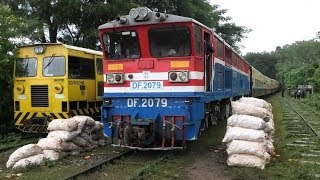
x: 166, y: 79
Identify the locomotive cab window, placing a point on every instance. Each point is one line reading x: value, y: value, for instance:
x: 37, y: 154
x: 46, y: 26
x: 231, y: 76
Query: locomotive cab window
x: 169, y: 41
x: 26, y: 67
x: 81, y: 68
x: 197, y: 39
x: 54, y: 66
x: 121, y: 45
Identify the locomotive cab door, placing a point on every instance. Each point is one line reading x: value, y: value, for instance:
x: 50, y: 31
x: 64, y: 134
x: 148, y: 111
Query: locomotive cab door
x: 208, y: 51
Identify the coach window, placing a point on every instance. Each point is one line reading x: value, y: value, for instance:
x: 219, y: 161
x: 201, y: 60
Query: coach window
x: 121, y: 45
x: 169, y: 41
x: 220, y: 49
x: 80, y: 68
x: 26, y: 67
x: 197, y: 39
x: 54, y: 66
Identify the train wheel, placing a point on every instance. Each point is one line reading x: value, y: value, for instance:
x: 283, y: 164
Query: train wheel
x: 213, y: 120
x: 225, y: 111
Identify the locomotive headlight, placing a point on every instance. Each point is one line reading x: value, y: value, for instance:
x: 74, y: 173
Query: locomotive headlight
x: 39, y: 49
x: 173, y: 76
x: 115, y: 78
x: 20, y: 89
x: 183, y: 76
x: 143, y: 12
x: 178, y: 76
x: 58, y: 88
x: 134, y: 13
x: 110, y: 78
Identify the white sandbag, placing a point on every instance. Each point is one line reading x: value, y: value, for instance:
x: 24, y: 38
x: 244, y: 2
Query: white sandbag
x: 70, y: 146
x: 23, y: 152
x: 238, y: 133
x: 79, y: 141
x: 270, y: 148
x: 247, y: 147
x: 56, y: 144
x: 247, y: 109
x: 269, y: 128
x: 51, y: 143
x: 246, y: 121
x: 29, y: 161
x: 246, y: 160
x: 256, y: 102
x: 83, y: 121
x: 51, y: 155
x: 88, y: 138
x: 64, y: 135
x: 63, y: 125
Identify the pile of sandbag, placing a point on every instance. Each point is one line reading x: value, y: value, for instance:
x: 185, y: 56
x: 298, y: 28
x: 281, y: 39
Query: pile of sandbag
x: 66, y: 136
x: 250, y: 131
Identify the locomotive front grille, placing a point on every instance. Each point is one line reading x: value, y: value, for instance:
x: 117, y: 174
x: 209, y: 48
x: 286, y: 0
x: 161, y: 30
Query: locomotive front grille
x: 39, y: 96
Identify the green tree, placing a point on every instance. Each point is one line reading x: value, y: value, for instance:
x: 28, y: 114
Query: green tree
x: 76, y: 21
x: 298, y: 63
x: 202, y: 11
x: 12, y: 29
x: 264, y: 62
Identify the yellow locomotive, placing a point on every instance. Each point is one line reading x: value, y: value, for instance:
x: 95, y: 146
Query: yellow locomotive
x: 56, y: 81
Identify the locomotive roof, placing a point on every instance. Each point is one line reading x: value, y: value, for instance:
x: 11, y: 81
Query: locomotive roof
x: 89, y: 51
x: 151, y: 20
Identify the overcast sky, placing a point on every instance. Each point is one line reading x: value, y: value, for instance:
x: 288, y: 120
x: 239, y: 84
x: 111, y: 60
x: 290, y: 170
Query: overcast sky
x: 273, y: 22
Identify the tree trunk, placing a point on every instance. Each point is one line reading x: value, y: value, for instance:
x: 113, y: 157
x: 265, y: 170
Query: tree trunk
x: 53, y: 30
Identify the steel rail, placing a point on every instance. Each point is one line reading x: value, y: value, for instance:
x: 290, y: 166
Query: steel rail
x: 98, y: 165
x: 313, y: 130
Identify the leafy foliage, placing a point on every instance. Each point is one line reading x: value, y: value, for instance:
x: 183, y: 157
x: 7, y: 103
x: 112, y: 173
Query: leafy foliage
x: 76, y: 21
x: 12, y: 27
x: 298, y: 63
x: 264, y: 62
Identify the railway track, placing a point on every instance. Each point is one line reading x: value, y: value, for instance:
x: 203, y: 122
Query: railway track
x: 303, y: 127
x: 98, y: 166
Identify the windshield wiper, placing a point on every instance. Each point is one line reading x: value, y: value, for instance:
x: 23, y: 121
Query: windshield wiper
x: 25, y: 69
x: 50, y: 61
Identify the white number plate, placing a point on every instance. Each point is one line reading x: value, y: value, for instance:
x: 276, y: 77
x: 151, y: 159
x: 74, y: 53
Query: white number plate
x: 147, y: 102
x: 145, y: 85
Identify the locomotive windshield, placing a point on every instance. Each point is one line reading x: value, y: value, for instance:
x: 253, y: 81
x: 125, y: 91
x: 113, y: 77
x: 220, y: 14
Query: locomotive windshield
x: 26, y: 67
x: 169, y: 41
x: 54, y: 66
x: 121, y: 45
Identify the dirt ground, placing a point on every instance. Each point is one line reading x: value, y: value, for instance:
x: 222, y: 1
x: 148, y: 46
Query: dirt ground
x: 209, y: 165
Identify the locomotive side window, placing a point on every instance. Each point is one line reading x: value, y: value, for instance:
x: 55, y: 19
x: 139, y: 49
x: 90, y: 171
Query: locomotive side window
x: 121, y: 45
x: 197, y: 38
x: 220, y: 49
x: 26, y: 67
x: 54, y: 66
x: 169, y: 41
x: 228, y: 55
x: 99, y: 66
x: 80, y: 68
